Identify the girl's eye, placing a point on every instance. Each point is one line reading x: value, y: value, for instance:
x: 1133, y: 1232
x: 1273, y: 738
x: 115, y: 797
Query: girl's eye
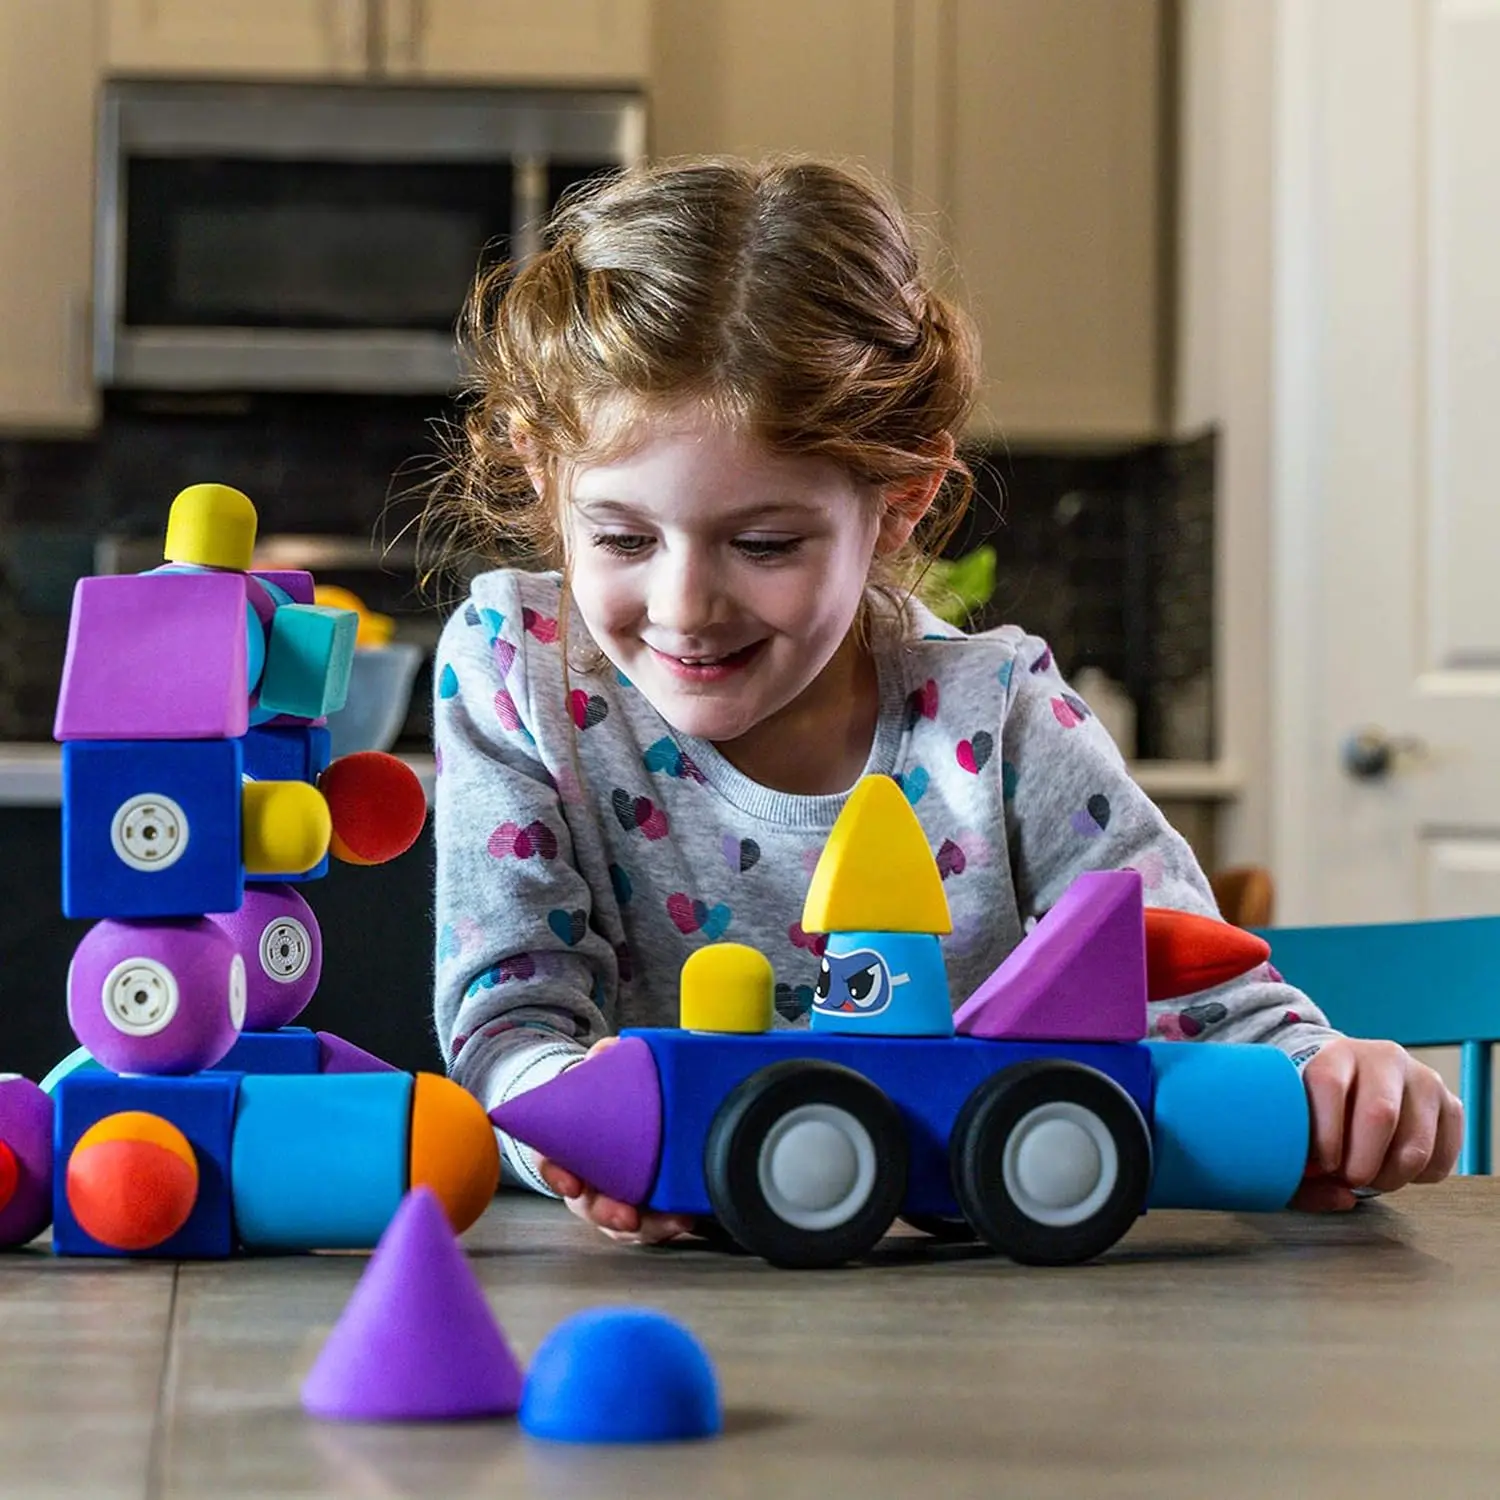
x: 622, y: 544
x: 767, y: 546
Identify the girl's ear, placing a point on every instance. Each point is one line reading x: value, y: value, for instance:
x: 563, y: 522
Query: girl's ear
x: 905, y: 503
x: 520, y: 440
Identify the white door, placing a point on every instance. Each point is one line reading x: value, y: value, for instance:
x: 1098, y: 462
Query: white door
x: 1386, y: 485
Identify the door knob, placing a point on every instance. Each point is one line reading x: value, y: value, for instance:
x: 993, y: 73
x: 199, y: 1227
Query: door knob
x: 1369, y: 753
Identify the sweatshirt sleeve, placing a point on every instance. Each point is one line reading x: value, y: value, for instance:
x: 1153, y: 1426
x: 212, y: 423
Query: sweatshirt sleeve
x: 514, y: 1001
x: 1072, y: 806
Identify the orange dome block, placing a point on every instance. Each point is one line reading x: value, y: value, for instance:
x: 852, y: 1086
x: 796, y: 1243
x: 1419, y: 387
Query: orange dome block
x: 1186, y: 952
x: 453, y: 1148
x: 378, y: 807
x: 132, y: 1180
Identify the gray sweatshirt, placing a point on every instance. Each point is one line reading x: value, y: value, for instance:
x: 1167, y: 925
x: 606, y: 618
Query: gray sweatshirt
x: 584, y: 848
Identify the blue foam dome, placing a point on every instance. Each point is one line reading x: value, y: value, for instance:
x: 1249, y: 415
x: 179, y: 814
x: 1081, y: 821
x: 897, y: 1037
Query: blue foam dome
x: 621, y: 1375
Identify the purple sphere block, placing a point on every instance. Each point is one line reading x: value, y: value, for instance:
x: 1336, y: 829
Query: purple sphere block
x: 277, y: 935
x: 166, y: 996
x: 26, y: 1128
x: 621, y: 1375
x: 1079, y: 976
x: 417, y: 1341
x: 600, y: 1119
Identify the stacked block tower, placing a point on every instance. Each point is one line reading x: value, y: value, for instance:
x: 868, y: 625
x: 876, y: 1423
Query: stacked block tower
x: 198, y: 794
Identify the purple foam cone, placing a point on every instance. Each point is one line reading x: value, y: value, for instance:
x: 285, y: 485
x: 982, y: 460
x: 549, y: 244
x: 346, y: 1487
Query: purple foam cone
x: 417, y: 1341
x: 1080, y: 974
x: 601, y: 1120
x: 339, y: 1056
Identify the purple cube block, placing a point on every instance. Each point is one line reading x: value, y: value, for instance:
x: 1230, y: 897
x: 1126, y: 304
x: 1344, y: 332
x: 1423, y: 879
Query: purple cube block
x: 156, y: 656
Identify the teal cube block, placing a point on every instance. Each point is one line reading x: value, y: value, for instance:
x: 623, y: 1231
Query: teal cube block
x: 309, y: 654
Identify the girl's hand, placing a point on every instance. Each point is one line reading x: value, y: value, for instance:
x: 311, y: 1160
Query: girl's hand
x: 1379, y: 1119
x: 621, y: 1221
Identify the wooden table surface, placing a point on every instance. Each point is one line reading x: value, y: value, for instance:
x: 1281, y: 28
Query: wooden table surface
x: 1206, y: 1356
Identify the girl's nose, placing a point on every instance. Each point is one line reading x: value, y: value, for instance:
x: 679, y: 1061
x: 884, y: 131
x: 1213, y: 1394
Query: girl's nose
x: 685, y: 595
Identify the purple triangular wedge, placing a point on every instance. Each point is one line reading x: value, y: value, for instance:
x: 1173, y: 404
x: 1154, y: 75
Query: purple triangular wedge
x: 339, y: 1056
x: 600, y: 1119
x: 1079, y: 976
x: 417, y: 1341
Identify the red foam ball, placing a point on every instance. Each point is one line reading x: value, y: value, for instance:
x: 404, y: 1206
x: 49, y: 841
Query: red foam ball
x: 377, y: 805
x: 130, y: 1194
x: 10, y: 1174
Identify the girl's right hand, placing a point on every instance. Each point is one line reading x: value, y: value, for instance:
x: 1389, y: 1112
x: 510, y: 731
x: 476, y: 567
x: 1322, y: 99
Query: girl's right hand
x: 620, y: 1221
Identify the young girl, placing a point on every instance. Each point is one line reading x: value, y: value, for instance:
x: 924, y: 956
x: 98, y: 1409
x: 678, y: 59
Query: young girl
x: 722, y: 403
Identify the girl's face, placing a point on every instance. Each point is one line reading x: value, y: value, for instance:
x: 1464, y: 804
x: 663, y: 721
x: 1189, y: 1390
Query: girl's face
x: 719, y: 577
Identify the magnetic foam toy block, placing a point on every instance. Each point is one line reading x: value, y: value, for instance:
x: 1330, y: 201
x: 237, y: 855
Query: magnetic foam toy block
x: 338, y: 1056
x: 132, y: 1180
x: 453, y: 1152
x: 284, y: 826
x: 377, y: 806
x: 294, y: 752
x: 726, y: 987
x: 1231, y: 1126
x: 883, y: 984
x: 309, y: 655
x: 212, y: 526
x: 155, y: 656
x: 876, y: 872
x: 156, y: 997
x: 1186, y: 953
x: 296, y: 583
x: 416, y: 1341
x: 621, y: 1375
x: 290, y: 1049
x: 601, y: 1118
x: 151, y: 828
x: 277, y: 935
x: 320, y: 1163
x: 25, y: 1160
x: 1080, y: 975
x: 201, y: 1107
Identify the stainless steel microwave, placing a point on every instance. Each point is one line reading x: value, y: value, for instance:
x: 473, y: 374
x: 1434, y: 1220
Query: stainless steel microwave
x: 310, y: 237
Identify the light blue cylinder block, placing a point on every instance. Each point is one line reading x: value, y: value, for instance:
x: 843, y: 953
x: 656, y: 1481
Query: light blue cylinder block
x: 1230, y: 1126
x: 320, y: 1161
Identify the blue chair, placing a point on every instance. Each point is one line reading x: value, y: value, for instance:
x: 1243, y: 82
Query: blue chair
x: 1423, y: 984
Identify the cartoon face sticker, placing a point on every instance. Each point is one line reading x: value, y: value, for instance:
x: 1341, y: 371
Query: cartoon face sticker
x: 859, y: 983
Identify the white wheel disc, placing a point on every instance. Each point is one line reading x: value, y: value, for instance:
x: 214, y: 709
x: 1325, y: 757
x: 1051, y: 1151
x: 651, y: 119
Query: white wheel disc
x: 817, y: 1167
x: 1060, y: 1164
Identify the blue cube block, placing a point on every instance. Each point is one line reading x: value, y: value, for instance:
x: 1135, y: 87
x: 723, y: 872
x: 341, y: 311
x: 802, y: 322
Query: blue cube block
x: 296, y: 752
x: 151, y: 828
x: 202, y: 1107
x: 292, y: 1049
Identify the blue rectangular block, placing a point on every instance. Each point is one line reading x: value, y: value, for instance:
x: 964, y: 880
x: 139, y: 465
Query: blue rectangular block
x: 151, y: 828
x: 293, y: 1049
x: 927, y: 1078
x: 202, y: 1107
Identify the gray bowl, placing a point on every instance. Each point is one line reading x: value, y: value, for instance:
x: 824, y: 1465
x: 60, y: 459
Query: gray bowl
x: 380, y: 683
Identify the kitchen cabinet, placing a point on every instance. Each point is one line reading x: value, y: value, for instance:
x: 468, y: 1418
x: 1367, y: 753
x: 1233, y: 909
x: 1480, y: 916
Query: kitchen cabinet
x: 1031, y: 139
x: 47, y: 71
x: 562, y: 41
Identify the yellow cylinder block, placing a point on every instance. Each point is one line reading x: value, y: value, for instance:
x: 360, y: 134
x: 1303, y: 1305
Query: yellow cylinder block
x: 213, y: 526
x: 453, y: 1148
x: 726, y: 987
x: 285, y: 827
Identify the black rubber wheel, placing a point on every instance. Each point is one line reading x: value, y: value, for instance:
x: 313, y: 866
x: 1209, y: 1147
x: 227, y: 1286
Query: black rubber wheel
x: 1051, y: 1162
x: 806, y: 1163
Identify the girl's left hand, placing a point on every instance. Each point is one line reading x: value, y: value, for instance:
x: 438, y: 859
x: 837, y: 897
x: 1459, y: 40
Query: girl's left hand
x: 1379, y: 1119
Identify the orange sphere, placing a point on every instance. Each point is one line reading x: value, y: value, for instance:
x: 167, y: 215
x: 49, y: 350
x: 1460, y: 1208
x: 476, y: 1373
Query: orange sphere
x: 453, y: 1148
x: 377, y: 805
x: 132, y: 1180
x: 10, y: 1174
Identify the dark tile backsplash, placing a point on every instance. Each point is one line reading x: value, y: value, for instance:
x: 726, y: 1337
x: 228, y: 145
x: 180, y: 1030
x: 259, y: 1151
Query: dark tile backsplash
x: 1106, y: 554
